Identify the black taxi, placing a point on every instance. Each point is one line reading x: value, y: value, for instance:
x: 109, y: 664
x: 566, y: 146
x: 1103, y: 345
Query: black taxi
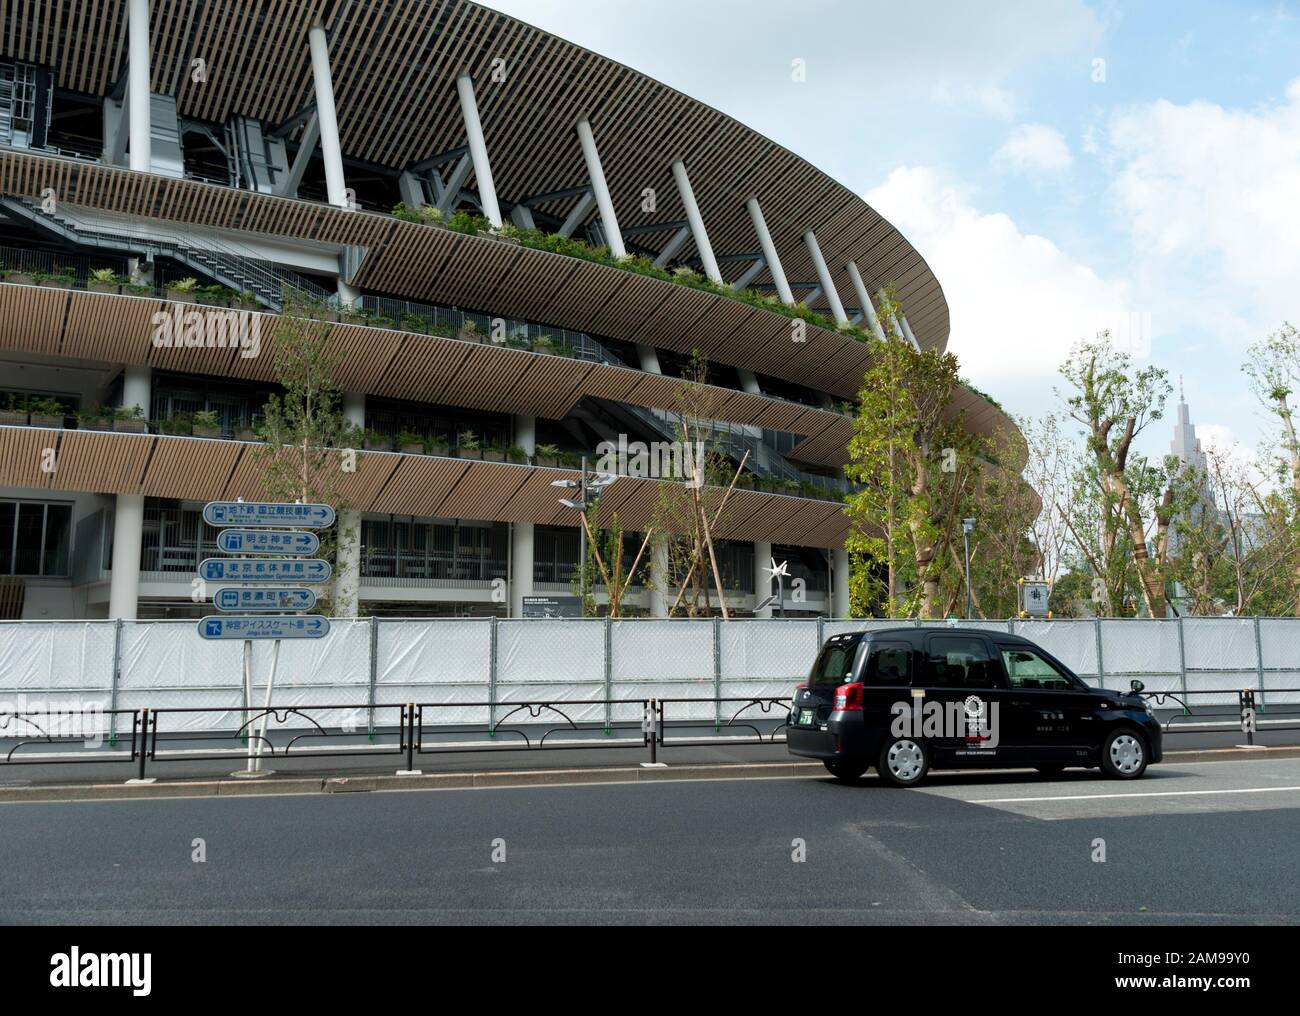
x: 908, y: 699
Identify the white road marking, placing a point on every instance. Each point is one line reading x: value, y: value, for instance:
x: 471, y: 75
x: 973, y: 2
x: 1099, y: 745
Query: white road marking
x: 1111, y: 797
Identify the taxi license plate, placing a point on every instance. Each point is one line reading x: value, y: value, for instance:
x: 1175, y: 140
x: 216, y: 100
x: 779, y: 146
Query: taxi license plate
x: 805, y: 717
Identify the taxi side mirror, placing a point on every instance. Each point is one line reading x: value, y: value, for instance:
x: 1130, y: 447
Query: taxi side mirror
x: 1136, y: 685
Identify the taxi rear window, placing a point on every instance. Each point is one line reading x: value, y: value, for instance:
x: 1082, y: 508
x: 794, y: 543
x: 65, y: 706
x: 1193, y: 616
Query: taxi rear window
x: 834, y: 663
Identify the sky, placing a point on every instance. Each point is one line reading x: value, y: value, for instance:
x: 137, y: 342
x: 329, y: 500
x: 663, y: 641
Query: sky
x: 1064, y: 166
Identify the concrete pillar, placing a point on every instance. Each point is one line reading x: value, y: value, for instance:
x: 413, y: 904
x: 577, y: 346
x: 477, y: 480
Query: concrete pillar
x: 137, y: 388
x: 137, y: 88
x: 840, y: 599
x: 128, y: 530
x: 769, y: 252
x: 522, y: 536
x: 649, y: 358
x: 824, y: 277
x: 487, y: 190
x: 748, y: 382
x: 348, y: 296
x: 347, y: 576
x: 864, y: 301
x: 763, y: 585
x: 696, y: 221
x: 128, y: 514
x: 326, y: 118
x: 596, y: 174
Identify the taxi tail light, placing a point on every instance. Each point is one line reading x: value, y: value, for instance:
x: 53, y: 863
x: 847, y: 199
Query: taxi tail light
x: 848, y: 697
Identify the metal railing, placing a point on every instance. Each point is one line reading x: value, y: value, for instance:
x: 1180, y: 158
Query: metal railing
x: 229, y: 263
x: 155, y: 737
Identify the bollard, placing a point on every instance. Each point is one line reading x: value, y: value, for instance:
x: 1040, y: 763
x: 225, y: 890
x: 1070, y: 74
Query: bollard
x: 144, y: 741
x: 649, y: 729
x: 1246, y: 700
x: 410, y: 737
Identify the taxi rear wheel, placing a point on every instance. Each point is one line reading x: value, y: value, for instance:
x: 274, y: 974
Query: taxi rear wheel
x: 846, y: 768
x: 903, y: 762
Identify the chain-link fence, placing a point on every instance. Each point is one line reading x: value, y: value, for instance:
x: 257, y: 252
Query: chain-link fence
x: 161, y: 664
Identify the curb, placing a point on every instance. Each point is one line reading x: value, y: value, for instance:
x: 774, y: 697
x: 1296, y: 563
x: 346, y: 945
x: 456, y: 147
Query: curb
x: 501, y: 779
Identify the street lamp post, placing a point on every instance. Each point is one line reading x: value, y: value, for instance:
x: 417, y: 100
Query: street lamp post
x: 968, y: 527
x: 588, y: 486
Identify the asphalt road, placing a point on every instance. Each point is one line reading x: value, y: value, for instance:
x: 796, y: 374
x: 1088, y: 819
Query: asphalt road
x: 1202, y: 843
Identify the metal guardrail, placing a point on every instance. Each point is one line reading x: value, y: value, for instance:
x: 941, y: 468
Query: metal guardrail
x: 1246, y: 716
x: 407, y: 730
x: 411, y: 730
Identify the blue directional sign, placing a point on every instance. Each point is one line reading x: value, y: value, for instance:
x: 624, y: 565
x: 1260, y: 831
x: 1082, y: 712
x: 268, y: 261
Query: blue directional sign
x: 312, y: 626
x: 259, y: 513
x: 267, y: 541
x: 264, y: 600
x: 311, y: 570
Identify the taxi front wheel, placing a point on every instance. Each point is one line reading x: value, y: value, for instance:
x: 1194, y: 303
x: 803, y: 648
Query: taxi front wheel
x: 1123, y: 754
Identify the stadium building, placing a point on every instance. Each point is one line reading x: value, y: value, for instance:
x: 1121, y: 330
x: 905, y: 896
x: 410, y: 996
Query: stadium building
x: 219, y: 155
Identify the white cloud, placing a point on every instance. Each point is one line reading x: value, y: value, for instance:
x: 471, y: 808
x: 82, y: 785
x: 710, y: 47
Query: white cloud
x: 1034, y: 148
x: 1017, y: 301
x: 1211, y: 197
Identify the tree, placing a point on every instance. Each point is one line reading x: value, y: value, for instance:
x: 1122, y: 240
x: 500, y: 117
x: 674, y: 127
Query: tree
x: 306, y: 432
x: 689, y: 513
x: 915, y: 463
x: 1115, y: 404
x: 1049, y: 471
x: 1274, y: 369
x: 604, y: 564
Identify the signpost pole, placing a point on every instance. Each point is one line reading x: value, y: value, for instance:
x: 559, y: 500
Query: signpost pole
x: 256, y: 762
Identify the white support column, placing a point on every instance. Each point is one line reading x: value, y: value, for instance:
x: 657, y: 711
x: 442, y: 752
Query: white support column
x: 347, y: 579
x: 702, y: 243
x: 128, y: 514
x: 907, y: 331
x: 762, y: 580
x: 327, y: 119
x: 137, y: 88
x: 864, y: 300
x: 840, y: 605
x: 824, y: 277
x: 581, y: 212
x: 596, y: 174
x: 487, y: 191
x: 748, y: 382
x: 769, y: 252
x: 522, y: 534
